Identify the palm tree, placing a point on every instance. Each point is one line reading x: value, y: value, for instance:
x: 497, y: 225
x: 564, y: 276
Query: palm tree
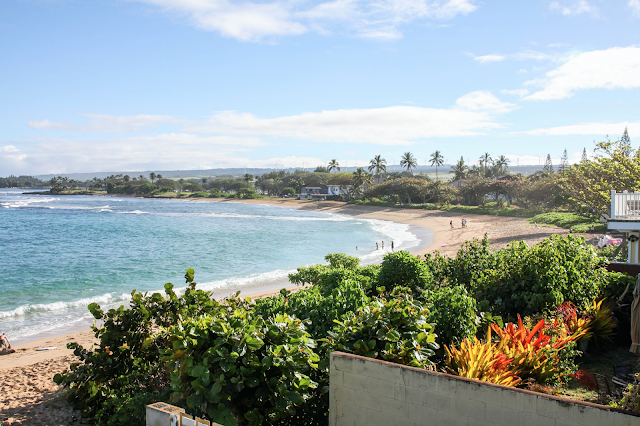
x: 485, y: 159
x: 437, y: 159
x: 502, y: 164
x: 248, y: 177
x: 459, y: 170
x: 408, y: 161
x: 360, y: 178
x: 378, y: 163
x: 333, y: 164
x: 152, y: 176
x: 158, y: 176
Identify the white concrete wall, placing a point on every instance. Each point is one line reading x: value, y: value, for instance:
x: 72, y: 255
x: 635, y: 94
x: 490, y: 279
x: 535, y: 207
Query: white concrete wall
x: 364, y: 391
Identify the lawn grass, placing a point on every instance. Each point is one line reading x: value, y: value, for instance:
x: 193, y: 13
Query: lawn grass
x: 573, y: 221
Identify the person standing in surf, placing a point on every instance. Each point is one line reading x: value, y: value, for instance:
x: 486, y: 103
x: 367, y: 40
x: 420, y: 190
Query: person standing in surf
x: 391, y: 245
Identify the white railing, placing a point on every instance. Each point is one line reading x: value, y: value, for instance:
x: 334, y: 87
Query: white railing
x: 625, y: 205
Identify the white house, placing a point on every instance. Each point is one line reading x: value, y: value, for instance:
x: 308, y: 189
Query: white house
x: 336, y: 190
x: 625, y: 217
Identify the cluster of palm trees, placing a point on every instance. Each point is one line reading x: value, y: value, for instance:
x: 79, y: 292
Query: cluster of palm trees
x: 407, y: 161
x: 486, y: 167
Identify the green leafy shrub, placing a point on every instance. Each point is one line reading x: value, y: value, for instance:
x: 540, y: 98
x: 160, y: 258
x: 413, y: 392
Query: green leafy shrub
x: 215, y: 193
x: 519, y: 279
x: 454, y: 312
x: 126, y: 361
x: 238, y: 368
x: 288, y: 191
x: 403, y: 269
x: 394, y: 330
x: 318, y: 308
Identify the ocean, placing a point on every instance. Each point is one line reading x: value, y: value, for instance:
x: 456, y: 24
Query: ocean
x: 60, y: 253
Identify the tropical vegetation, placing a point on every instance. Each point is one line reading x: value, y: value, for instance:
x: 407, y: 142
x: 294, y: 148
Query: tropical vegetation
x: 511, y: 316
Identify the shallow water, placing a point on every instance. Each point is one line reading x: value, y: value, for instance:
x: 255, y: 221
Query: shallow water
x: 60, y: 253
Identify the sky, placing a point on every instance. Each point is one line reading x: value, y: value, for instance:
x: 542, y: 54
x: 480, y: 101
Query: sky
x: 139, y: 85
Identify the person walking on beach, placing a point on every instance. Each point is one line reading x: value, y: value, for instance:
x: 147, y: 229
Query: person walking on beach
x: 391, y: 245
x: 451, y: 223
x: 377, y: 245
x: 383, y: 245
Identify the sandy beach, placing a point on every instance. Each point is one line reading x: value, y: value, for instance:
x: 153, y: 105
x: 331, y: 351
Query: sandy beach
x: 28, y: 395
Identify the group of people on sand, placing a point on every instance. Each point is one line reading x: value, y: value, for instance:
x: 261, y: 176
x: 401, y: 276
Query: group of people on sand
x: 5, y: 346
x: 463, y: 221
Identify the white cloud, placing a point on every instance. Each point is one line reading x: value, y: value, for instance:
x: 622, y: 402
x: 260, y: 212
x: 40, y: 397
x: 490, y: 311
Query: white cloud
x: 165, y: 151
x: 614, y: 68
x: 489, y: 58
x: 575, y: 8
x: 107, y: 123
x: 615, y: 130
x: 481, y: 100
x: 395, y: 125
x: 8, y: 148
x: 634, y: 5
x: 517, y: 92
x: 254, y: 21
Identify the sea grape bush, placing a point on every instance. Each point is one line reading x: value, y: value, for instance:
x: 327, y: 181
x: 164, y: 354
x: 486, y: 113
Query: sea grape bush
x: 525, y: 280
x: 394, y: 330
x: 454, y: 312
x: 238, y: 368
x: 126, y: 361
x: 402, y: 269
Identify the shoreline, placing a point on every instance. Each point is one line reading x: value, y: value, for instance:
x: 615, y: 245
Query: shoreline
x: 28, y: 394
x: 431, y: 227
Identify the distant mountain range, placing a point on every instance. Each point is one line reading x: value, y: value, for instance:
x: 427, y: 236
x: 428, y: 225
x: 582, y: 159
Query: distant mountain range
x: 186, y: 174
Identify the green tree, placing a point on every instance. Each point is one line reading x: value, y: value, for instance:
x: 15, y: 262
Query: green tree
x: 437, y: 160
x: 408, y: 161
x: 485, y: 160
x: 360, y: 178
x: 126, y: 178
x: 459, y: 171
x: 152, y: 177
x: 611, y: 168
x: 378, y: 164
x: 333, y: 165
x: 548, y: 165
x: 501, y: 165
x: 248, y: 177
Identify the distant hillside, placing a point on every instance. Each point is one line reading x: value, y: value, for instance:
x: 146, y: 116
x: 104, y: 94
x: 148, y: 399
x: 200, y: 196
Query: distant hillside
x: 186, y: 174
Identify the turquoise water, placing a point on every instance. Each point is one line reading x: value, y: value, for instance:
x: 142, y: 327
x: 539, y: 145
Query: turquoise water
x: 60, y: 253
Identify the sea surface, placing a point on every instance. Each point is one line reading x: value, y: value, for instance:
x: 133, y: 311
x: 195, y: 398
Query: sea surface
x: 60, y: 253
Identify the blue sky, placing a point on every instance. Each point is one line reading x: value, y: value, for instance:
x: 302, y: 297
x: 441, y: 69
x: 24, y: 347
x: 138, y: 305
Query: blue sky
x: 127, y: 85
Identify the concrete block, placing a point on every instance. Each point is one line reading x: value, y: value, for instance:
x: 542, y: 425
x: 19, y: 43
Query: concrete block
x: 369, y: 401
x: 423, y: 381
x: 620, y: 419
x: 470, y: 407
x: 519, y: 402
x: 558, y: 410
x: 421, y: 414
x: 441, y: 402
x: 369, y: 384
x: 378, y: 418
x: 591, y: 416
x: 498, y: 415
x: 161, y: 414
x: 343, y: 394
x: 409, y: 394
x: 337, y: 378
x: 445, y: 418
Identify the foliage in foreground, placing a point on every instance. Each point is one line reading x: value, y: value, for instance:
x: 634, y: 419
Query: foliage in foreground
x: 214, y: 358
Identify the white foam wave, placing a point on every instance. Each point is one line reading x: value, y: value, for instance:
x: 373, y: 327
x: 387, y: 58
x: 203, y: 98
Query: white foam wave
x: 135, y: 212
x: 24, y: 310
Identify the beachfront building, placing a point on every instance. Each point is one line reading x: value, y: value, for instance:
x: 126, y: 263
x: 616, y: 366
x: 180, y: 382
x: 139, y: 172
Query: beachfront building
x: 340, y: 190
x: 314, y: 193
x: 625, y: 217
